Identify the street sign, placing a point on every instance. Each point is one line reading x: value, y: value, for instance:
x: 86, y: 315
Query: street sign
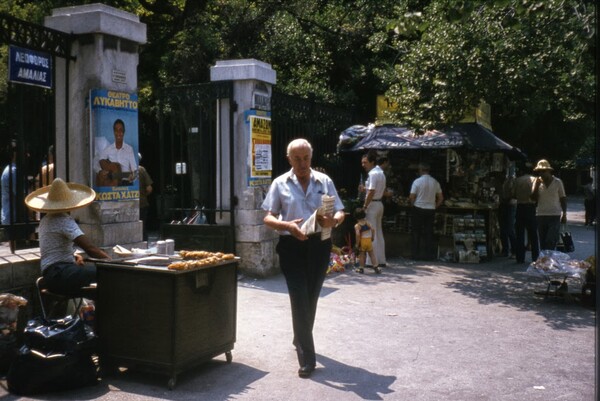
x: 30, y: 67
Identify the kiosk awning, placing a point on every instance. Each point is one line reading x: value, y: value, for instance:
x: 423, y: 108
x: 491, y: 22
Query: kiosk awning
x: 389, y: 137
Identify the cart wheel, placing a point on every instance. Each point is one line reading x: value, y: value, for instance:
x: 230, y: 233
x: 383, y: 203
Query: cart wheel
x: 172, y: 382
x: 228, y: 356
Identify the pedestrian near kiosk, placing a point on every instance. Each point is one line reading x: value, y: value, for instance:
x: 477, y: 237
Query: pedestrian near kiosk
x: 589, y: 201
x: 374, y: 188
x: 425, y: 196
x: 145, y: 190
x: 551, y: 211
x: 64, y: 271
x: 525, y: 220
x: 292, y: 198
x: 9, y: 191
x: 506, y: 216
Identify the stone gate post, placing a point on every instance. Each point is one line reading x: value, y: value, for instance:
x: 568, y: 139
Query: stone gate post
x: 105, y: 45
x: 252, y: 80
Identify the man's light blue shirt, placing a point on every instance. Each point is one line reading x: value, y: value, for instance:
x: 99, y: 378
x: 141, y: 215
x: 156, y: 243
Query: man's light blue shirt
x: 287, y: 199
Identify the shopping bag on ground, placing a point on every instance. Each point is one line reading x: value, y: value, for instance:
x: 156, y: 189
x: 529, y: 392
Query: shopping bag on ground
x: 36, y: 372
x: 567, y: 240
x: 63, y: 335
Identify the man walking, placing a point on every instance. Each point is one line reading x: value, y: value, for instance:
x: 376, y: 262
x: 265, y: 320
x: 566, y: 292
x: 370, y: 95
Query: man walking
x: 292, y: 198
x: 425, y: 196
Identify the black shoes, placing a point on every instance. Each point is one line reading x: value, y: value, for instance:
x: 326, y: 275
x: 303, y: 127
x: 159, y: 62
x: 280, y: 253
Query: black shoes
x: 305, y: 371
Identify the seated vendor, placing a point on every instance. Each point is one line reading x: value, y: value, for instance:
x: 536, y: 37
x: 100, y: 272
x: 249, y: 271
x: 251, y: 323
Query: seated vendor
x: 64, y: 272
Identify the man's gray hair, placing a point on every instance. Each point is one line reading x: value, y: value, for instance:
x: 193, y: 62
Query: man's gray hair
x: 299, y: 143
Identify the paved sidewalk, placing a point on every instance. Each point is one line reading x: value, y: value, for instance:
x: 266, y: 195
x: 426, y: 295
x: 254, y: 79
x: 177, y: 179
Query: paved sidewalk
x: 439, y: 331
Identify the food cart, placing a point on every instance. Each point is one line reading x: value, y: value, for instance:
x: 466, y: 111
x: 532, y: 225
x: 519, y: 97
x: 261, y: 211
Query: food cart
x: 154, y: 318
x: 470, y: 163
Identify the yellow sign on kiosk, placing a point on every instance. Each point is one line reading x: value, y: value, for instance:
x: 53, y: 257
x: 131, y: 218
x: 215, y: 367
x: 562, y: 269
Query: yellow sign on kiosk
x: 385, y: 107
x: 481, y: 115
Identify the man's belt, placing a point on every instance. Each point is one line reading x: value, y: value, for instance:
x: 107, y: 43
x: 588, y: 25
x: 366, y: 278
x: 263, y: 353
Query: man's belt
x: 375, y: 200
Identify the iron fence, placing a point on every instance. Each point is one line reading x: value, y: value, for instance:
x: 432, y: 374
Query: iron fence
x: 319, y: 123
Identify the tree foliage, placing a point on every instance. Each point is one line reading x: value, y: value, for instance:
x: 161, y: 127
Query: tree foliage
x: 533, y: 61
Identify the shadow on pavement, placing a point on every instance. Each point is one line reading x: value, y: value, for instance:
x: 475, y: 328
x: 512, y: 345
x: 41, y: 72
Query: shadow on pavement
x: 514, y: 288
x: 192, y: 384
x: 365, y: 384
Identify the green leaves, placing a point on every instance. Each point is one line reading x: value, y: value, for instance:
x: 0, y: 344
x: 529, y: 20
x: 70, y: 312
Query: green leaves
x: 525, y: 58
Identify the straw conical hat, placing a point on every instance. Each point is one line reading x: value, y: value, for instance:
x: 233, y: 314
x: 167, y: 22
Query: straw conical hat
x: 60, y: 196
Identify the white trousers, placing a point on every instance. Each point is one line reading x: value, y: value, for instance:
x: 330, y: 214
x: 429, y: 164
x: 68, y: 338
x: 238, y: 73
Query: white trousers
x: 374, y: 214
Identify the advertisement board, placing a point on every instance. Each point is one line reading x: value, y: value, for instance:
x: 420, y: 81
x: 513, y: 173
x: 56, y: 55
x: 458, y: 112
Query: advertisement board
x: 115, y: 147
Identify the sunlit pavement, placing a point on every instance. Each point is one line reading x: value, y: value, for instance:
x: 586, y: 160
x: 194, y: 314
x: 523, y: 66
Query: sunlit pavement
x: 435, y: 331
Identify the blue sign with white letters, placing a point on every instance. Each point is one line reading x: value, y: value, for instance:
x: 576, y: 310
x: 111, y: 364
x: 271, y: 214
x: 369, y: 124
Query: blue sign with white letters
x: 30, y: 67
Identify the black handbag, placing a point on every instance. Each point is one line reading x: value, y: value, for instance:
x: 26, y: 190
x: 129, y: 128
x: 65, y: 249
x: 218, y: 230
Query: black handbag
x: 57, y: 355
x: 35, y: 372
x: 566, y: 239
x: 56, y: 335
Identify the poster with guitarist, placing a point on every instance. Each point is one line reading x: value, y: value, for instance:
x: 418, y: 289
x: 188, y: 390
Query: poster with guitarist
x: 114, y: 127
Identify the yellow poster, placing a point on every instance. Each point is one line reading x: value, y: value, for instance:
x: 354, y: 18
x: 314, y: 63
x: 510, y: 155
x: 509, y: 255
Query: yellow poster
x: 385, y: 107
x: 260, y: 150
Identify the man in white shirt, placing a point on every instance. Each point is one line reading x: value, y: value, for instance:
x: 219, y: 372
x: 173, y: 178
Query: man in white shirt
x: 115, y: 165
x: 549, y: 192
x: 375, y: 187
x: 425, y: 196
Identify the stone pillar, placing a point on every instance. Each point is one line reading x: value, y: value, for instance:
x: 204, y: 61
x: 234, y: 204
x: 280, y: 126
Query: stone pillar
x: 255, y: 243
x: 106, y: 50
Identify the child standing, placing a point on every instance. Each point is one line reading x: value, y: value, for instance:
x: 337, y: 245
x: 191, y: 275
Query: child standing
x: 365, y: 234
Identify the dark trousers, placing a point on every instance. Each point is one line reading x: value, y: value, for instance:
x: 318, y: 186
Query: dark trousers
x: 590, y: 211
x: 548, y: 231
x: 422, y: 221
x: 144, y: 219
x: 506, y: 221
x: 304, y: 266
x: 525, y: 220
x: 68, y: 278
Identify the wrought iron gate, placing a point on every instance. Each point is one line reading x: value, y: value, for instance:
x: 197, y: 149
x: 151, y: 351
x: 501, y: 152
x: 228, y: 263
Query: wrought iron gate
x: 320, y: 124
x: 190, y: 163
x: 27, y: 126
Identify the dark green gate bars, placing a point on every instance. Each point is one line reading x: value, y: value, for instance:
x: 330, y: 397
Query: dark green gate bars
x: 27, y: 122
x: 190, y: 163
x: 320, y: 124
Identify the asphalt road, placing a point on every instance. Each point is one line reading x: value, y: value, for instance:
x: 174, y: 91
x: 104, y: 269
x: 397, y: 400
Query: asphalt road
x: 437, y: 331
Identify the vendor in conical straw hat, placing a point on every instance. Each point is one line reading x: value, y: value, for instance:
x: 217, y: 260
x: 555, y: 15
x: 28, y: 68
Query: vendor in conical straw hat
x: 64, y: 272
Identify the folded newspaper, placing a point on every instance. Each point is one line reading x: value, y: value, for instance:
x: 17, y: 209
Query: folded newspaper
x: 311, y: 226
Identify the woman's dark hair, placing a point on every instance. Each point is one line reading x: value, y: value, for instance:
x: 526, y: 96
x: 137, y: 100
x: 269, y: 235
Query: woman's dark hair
x: 359, y: 213
x: 381, y: 160
x: 371, y: 156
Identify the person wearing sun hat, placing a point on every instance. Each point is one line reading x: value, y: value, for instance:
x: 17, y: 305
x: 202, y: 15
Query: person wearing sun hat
x: 64, y: 272
x: 551, y: 211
